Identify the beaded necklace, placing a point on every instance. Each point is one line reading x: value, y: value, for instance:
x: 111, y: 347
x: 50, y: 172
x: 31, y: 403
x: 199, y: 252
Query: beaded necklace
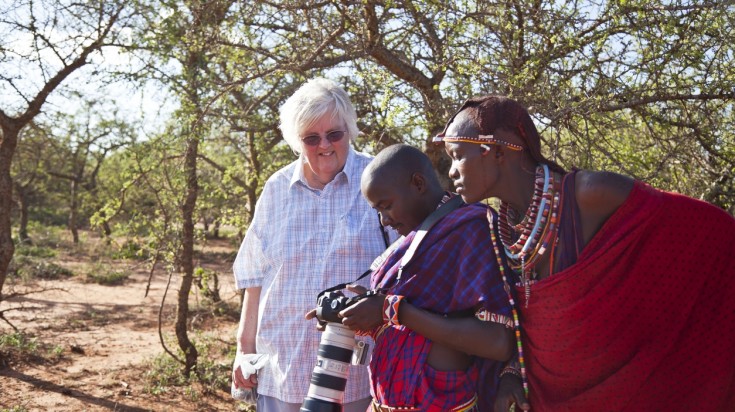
x: 506, y: 286
x: 537, y: 232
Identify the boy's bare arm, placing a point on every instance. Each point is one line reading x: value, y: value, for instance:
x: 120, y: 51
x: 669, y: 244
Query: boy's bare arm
x: 469, y: 335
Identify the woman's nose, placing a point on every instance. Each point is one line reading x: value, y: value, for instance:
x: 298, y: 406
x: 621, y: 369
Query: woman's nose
x: 453, y: 173
x: 324, y: 142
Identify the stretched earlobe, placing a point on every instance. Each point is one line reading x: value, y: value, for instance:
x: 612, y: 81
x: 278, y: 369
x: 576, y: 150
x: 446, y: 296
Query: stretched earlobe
x: 499, y: 152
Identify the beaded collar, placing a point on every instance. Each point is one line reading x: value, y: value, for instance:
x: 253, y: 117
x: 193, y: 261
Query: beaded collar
x: 506, y: 286
x: 537, y: 232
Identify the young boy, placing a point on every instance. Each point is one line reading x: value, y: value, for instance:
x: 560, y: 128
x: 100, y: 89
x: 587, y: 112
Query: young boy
x: 432, y: 352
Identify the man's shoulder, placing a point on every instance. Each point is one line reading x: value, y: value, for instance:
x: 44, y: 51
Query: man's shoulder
x: 471, y: 211
x: 600, y: 193
x: 472, y: 214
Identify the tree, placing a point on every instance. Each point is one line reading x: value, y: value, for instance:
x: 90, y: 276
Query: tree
x: 185, y: 37
x: 30, y: 179
x: 49, y: 40
x: 83, y: 140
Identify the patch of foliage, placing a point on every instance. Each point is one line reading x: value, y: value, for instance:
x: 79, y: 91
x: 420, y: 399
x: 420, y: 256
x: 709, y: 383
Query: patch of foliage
x: 131, y: 250
x: 111, y: 278
x: 22, y: 347
x: 35, y: 251
x: 211, y: 373
x: 29, y: 268
x: 208, y: 282
x: 19, y: 342
x: 14, y: 409
x: 47, y: 236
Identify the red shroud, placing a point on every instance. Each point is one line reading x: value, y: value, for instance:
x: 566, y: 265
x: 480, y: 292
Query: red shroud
x: 645, y: 320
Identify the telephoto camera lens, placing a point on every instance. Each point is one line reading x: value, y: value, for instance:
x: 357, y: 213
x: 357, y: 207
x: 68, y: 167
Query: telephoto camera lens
x: 329, y: 378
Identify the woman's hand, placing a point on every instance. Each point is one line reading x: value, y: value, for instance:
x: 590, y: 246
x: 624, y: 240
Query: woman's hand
x: 239, y: 380
x: 510, y: 391
x: 366, y: 314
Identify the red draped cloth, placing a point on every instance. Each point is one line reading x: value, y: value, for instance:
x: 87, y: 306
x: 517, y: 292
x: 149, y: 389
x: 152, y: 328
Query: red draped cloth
x: 645, y: 319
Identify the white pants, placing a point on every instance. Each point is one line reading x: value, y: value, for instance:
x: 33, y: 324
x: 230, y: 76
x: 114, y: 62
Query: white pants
x: 269, y: 404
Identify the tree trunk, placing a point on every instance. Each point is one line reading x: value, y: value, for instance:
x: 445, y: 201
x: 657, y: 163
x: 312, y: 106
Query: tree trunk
x: 106, y: 228
x: 7, y: 148
x: 215, y: 229
x: 187, y: 254
x: 23, y: 229
x: 73, y: 205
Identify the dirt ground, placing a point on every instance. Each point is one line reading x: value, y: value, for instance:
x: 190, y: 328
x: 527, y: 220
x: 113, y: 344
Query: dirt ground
x: 100, y: 342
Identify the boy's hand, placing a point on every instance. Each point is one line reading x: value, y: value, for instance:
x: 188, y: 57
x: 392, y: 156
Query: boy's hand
x: 366, y: 314
x: 356, y: 289
x: 510, y: 391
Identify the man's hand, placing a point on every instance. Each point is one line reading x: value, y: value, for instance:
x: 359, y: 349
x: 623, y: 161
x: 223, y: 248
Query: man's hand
x: 510, y: 391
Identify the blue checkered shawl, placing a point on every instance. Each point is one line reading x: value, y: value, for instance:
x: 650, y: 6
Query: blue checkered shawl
x: 454, y: 269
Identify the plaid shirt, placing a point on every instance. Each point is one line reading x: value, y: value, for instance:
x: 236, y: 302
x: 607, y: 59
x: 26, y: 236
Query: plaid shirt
x: 454, y: 269
x: 300, y: 242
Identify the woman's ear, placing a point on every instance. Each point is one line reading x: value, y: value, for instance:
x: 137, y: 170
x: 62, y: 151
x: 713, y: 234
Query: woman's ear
x: 499, y: 152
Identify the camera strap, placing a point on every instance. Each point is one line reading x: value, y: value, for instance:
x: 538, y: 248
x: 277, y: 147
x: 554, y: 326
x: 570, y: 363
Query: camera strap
x: 423, y: 230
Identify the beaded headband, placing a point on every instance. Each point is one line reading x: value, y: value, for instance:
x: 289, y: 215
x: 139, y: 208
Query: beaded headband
x: 482, y: 139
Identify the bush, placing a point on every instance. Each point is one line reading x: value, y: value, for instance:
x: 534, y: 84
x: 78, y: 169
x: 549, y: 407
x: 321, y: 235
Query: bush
x: 208, y: 282
x: 49, y: 236
x: 27, y: 268
x: 165, y: 372
x: 112, y: 278
x: 22, y: 347
x: 19, y: 342
x: 131, y: 250
x: 35, y: 251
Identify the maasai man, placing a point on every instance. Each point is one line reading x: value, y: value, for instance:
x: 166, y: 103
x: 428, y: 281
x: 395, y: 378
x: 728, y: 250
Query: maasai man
x: 626, y: 293
x: 442, y: 307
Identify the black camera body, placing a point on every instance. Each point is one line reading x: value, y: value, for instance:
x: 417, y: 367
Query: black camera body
x: 330, y: 303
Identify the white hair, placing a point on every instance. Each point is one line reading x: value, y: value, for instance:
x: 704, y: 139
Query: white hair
x: 310, y: 103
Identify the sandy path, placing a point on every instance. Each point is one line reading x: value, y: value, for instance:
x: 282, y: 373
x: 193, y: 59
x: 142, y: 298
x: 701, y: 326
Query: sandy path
x: 106, y: 336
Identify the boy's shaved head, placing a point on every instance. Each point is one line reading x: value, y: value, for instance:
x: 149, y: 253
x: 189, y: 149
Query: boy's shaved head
x: 398, y: 163
x: 401, y: 184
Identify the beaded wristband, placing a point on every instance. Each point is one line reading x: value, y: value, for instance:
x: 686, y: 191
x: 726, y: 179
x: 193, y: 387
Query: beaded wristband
x: 510, y: 370
x: 390, y: 309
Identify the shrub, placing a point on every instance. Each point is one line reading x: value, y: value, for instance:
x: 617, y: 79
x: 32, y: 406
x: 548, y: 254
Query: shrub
x: 19, y: 342
x: 35, y: 251
x: 111, y: 278
x: 165, y: 372
x: 208, y: 282
x: 28, y: 268
x: 49, y: 236
x: 131, y: 250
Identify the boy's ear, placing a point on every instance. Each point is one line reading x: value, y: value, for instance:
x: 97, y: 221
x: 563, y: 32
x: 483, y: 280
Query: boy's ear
x: 419, y: 181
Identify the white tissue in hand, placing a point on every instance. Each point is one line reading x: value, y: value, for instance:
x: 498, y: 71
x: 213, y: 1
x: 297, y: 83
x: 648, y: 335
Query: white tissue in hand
x: 250, y: 363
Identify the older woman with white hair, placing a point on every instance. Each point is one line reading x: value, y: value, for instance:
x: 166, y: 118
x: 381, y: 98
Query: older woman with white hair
x: 311, y: 230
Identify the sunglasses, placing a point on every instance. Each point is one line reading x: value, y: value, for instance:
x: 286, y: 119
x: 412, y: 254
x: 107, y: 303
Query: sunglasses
x: 332, y: 137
